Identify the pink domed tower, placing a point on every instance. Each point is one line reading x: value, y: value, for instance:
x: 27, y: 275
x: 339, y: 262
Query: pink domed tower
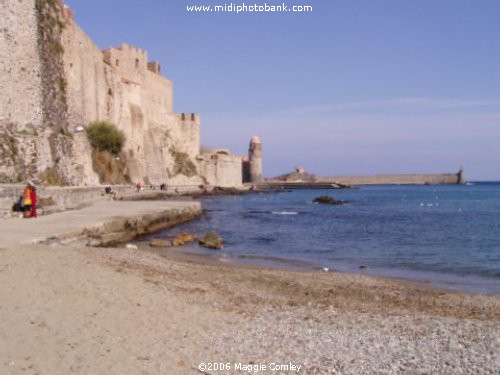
x: 255, y: 160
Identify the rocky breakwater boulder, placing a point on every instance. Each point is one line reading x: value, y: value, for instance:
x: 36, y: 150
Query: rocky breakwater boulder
x: 183, y: 239
x: 212, y: 241
x: 326, y: 199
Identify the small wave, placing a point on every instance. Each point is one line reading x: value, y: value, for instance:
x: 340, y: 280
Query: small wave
x: 285, y: 213
x: 429, y: 204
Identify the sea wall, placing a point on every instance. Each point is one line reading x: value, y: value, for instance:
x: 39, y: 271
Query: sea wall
x: 55, y: 198
x: 399, y: 179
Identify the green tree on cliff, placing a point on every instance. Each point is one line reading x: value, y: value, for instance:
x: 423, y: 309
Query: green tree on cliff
x: 105, y: 136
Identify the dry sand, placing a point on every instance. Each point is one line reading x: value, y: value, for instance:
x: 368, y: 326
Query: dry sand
x: 74, y: 309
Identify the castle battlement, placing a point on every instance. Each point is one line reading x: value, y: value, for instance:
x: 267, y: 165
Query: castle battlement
x: 187, y: 118
x: 127, y: 59
x: 154, y: 67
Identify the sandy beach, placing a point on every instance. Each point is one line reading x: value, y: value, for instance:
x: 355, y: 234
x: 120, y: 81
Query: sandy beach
x: 76, y: 309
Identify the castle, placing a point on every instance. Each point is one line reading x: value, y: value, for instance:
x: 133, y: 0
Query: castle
x: 54, y: 82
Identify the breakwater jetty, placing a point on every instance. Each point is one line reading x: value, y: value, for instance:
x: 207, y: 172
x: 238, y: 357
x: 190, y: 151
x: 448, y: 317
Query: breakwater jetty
x: 299, y: 177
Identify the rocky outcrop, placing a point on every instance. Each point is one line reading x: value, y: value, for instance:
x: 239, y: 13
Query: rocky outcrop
x: 122, y: 230
x: 183, y: 239
x: 212, y: 241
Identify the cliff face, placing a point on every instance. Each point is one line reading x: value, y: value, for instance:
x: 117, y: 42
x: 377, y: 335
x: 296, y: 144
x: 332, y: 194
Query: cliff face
x: 55, y: 81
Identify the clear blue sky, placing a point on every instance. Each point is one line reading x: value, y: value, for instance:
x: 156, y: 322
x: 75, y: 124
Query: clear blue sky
x: 353, y: 87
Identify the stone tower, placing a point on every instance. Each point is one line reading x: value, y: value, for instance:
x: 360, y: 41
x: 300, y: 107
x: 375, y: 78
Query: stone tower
x: 461, y: 176
x: 255, y: 160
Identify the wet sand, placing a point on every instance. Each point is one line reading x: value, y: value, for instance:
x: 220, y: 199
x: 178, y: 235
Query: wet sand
x: 76, y: 309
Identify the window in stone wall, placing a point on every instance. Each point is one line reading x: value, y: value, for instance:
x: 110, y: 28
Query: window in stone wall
x: 117, y: 62
x: 137, y: 63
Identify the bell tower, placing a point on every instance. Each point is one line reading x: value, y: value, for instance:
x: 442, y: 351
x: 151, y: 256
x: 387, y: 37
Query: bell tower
x: 255, y: 159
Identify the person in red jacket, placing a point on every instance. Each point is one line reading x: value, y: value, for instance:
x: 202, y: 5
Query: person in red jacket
x: 33, y: 201
x: 27, y: 201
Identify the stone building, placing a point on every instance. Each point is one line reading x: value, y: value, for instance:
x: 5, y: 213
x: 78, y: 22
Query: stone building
x: 54, y: 82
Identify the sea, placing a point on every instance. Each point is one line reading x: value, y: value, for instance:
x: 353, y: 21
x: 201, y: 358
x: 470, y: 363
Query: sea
x: 445, y: 236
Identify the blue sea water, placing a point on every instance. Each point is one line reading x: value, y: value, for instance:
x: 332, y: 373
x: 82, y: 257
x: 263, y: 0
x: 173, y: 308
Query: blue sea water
x: 448, y: 236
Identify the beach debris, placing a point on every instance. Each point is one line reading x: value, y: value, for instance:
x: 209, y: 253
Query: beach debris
x: 326, y: 199
x: 212, y: 241
x: 159, y: 243
x: 131, y: 247
x: 184, y: 238
x: 363, y: 267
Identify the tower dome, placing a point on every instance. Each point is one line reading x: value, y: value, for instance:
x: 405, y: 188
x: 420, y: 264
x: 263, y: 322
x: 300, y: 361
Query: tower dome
x: 255, y: 139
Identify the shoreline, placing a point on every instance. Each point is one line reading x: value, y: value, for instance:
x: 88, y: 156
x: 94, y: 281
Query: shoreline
x: 350, y: 281
x: 444, y: 283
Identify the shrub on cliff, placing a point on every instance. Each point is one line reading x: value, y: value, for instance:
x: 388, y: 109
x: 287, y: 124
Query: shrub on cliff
x: 105, y: 136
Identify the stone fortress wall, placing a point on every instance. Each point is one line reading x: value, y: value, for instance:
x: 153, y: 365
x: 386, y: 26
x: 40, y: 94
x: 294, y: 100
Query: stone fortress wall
x: 21, y: 94
x: 45, y: 104
x: 20, y: 70
x: 122, y: 86
x: 220, y: 168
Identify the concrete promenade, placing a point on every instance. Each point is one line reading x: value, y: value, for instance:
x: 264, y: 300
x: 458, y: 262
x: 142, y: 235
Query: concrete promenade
x: 132, y: 216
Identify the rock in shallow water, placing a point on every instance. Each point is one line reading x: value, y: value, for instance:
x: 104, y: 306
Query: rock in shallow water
x: 184, y: 238
x: 212, y: 241
x: 326, y: 199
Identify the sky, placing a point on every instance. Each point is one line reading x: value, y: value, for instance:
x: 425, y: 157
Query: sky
x: 353, y: 87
